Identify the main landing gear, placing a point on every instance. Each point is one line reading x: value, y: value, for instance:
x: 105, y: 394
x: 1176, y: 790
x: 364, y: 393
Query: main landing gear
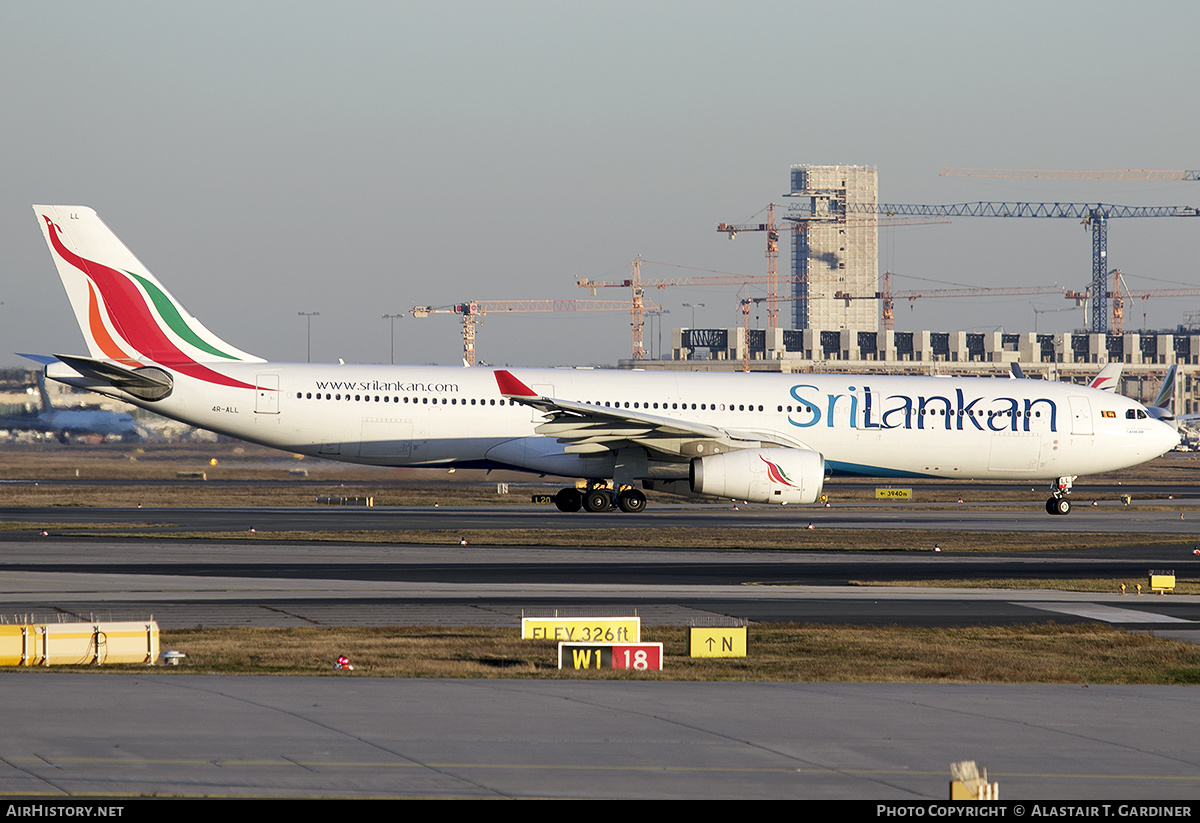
x: 1058, y: 502
x: 600, y: 498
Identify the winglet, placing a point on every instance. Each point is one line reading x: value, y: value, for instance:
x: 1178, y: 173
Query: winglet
x: 510, y: 386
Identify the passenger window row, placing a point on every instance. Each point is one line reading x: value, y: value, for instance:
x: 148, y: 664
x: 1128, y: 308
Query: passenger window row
x: 416, y: 401
x: 675, y: 406
x: 455, y: 401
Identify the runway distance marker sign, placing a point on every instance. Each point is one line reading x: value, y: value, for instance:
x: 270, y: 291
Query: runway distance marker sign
x: 642, y: 657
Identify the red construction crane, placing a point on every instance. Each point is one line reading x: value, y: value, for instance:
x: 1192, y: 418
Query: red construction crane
x: 772, y: 230
x: 638, y: 304
x: 1121, y: 292
x: 888, y: 297
x: 472, y: 309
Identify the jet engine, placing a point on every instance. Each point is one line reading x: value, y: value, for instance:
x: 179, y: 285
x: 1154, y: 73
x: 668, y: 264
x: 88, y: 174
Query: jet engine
x: 761, y: 475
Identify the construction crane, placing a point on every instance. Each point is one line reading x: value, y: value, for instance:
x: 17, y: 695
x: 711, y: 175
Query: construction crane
x: 746, y: 303
x: 1120, y: 292
x: 472, y: 309
x: 888, y: 297
x: 638, y: 303
x: 772, y: 230
x: 1152, y: 175
x: 1094, y: 215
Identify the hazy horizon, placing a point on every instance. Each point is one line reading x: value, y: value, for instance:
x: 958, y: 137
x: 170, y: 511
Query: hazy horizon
x: 267, y: 159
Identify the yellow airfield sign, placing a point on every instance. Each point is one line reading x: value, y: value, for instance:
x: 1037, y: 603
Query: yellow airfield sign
x: 582, y: 629
x: 729, y: 641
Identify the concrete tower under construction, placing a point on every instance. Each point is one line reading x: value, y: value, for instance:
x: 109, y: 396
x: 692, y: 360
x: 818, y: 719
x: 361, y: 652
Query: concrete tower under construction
x: 836, y: 248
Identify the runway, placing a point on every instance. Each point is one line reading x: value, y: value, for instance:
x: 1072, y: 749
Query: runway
x: 177, y: 734
x: 1013, y: 518
x: 226, y: 582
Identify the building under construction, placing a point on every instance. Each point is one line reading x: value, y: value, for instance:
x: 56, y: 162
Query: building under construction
x: 836, y: 249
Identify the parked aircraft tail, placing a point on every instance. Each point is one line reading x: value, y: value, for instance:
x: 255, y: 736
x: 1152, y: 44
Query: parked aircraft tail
x: 1109, y: 378
x: 1160, y: 409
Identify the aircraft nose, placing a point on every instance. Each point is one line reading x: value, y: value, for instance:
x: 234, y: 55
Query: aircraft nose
x: 1166, y: 438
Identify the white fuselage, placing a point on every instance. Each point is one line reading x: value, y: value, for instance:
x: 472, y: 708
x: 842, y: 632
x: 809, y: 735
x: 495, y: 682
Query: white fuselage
x: 871, y: 425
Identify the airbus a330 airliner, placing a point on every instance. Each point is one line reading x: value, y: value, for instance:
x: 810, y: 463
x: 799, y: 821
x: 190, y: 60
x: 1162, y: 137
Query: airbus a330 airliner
x: 762, y: 438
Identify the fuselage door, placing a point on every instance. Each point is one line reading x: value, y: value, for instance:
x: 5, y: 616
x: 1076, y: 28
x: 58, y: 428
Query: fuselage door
x: 266, y: 394
x: 1081, y: 415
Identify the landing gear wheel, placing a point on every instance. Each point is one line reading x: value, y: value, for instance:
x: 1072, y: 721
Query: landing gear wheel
x: 598, y: 500
x: 631, y: 501
x: 1058, y: 505
x: 568, y: 500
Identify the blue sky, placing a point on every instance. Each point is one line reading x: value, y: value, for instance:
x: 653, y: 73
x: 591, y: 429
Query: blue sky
x: 354, y: 159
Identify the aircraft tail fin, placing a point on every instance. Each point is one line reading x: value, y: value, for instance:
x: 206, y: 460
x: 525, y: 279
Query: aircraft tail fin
x: 125, y: 314
x: 1166, y: 392
x: 1160, y: 409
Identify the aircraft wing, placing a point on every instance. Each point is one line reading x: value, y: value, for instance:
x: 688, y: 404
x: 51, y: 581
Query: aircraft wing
x: 586, y: 428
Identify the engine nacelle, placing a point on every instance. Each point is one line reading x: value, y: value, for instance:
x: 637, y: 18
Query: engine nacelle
x: 761, y: 475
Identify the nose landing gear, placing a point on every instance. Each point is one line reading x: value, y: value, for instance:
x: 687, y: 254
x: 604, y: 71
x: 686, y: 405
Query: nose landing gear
x: 1058, y: 502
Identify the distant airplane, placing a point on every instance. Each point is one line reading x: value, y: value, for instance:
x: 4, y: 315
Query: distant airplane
x: 767, y: 438
x: 71, y: 423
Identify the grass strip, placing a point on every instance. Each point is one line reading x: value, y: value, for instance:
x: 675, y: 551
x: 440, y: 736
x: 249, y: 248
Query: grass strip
x: 1111, y: 585
x: 1088, y: 653
x: 669, y: 538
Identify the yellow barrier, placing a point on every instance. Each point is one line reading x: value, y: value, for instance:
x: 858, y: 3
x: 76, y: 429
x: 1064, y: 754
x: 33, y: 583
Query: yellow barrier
x: 75, y: 644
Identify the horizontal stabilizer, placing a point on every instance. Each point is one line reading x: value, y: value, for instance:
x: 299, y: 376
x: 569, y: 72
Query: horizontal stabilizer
x: 44, y: 359
x: 147, y: 383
